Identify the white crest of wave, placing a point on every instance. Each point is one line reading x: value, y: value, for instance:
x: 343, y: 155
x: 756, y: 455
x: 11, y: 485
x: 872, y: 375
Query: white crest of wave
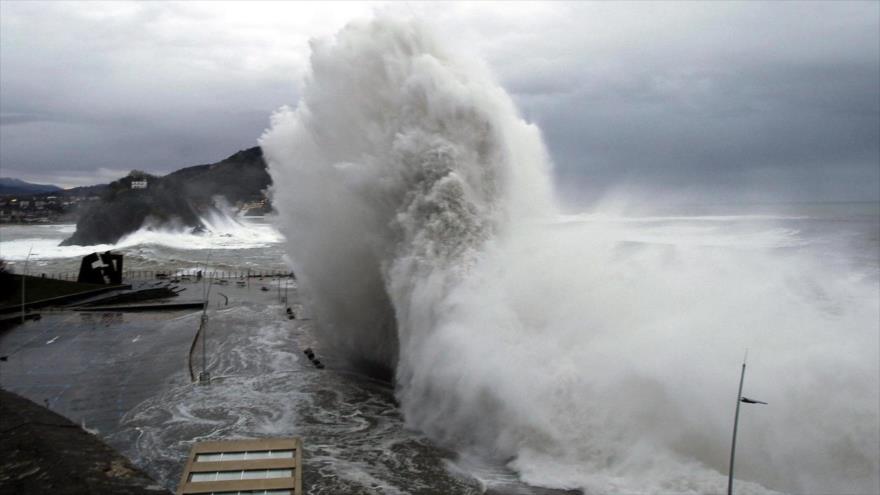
x: 222, y: 230
x: 417, y: 210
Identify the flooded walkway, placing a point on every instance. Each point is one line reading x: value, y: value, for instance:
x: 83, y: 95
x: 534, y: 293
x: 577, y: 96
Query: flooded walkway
x: 124, y: 376
x: 43, y: 452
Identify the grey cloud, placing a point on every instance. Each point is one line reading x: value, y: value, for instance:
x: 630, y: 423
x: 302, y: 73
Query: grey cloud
x: 82, y: 92
x: 7, y: 118
x: 779, y: 97
x: 792, y: 110
x: 762, y: 116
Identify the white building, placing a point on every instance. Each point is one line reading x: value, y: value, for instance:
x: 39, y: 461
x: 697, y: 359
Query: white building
x: 139, y: 184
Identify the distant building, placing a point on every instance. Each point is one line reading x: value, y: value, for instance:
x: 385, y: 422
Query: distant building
x: 139, y: 184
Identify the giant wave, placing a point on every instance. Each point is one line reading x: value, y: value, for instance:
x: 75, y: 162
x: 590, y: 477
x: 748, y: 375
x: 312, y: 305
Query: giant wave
x: 420, y: 219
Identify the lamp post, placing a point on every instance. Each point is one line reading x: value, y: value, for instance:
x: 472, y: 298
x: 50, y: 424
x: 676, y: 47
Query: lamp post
x: 739, y: 400
x: 204, y: 376
x: 23, y: 277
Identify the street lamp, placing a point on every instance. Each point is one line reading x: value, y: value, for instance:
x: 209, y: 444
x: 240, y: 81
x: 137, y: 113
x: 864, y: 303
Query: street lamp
x: 739, y: 400
x: 23, y: 277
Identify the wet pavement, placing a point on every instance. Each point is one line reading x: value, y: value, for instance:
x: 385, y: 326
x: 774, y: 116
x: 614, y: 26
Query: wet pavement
x: 93, y: 367
x: 43, y: 452
x: 125, y: 377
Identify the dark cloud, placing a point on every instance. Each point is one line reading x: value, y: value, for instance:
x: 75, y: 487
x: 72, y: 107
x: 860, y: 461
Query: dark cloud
x: 725, y: 100
x: 776, y: 101
x: 143, y: 87
x: 789, y: 124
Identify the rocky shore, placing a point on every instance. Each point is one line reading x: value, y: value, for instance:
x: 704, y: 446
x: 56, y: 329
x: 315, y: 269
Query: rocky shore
x: 180, y: 199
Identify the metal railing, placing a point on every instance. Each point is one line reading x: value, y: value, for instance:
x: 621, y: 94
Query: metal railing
x: 179, y: 275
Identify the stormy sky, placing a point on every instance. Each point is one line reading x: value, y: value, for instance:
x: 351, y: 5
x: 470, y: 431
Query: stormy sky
x: 689, y: 101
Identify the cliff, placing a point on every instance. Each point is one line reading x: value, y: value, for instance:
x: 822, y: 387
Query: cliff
x: 181, y: 197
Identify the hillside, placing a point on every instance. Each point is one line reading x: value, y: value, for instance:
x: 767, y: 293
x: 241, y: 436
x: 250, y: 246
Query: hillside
x: 182, y: 197
x: 16, y: 186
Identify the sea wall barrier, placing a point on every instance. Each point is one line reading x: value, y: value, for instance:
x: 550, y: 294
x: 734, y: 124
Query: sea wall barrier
x: 178, y: 275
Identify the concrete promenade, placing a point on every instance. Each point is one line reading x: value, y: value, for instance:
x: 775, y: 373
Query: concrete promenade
x: 42, y: 452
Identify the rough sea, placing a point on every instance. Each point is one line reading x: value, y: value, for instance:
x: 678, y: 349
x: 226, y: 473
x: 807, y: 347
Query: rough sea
x: 124, y: 376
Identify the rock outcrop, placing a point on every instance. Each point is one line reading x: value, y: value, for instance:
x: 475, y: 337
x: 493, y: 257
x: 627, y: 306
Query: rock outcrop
x: 181, y: 198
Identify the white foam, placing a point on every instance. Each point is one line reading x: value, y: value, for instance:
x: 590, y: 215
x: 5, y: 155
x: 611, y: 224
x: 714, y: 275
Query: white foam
x: 221, y: 232
x: 598, y: 355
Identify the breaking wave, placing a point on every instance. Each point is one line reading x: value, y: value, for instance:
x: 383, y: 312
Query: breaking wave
x: 221, y: 232
x: 604, y: 356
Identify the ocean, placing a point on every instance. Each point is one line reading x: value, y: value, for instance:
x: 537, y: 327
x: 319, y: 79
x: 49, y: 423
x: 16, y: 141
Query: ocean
x: 636, y: 358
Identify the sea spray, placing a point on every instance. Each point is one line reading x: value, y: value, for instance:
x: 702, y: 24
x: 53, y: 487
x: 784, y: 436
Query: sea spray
x: 222, y: 230
x: 418, y: 214
x: 397, y: 160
